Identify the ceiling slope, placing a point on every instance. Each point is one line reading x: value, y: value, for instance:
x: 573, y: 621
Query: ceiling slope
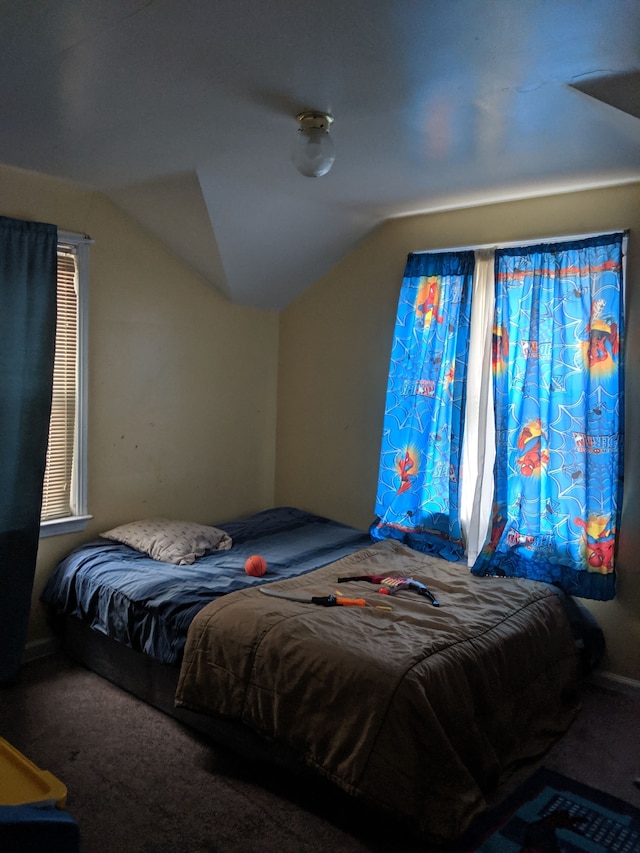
x: 183, y: 113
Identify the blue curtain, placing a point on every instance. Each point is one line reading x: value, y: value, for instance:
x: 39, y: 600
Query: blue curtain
x: 558, y: 384
x: 28, y: 271
x: 418, y: 484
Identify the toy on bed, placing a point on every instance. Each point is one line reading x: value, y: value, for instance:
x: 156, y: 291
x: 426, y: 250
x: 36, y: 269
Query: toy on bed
x: 389, y: 586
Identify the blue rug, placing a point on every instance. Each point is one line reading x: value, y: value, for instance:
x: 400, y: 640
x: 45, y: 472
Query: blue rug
x: 550, y: 813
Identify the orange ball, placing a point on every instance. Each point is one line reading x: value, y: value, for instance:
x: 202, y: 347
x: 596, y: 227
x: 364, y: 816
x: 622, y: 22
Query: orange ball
x: 255, y: 565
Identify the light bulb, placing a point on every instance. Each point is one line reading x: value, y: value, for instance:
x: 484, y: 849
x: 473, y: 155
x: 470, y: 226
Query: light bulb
x: 313, y: 150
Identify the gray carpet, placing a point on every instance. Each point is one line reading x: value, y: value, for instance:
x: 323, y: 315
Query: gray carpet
x: 139, y: 782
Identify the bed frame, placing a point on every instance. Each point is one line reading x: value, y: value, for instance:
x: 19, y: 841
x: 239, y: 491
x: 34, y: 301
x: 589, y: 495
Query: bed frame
x: 155, y: 683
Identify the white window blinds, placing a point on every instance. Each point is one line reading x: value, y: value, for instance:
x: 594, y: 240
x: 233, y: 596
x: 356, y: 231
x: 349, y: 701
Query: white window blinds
x: 57, y: 494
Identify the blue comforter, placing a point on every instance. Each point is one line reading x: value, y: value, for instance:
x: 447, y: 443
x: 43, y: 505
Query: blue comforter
x: 149, y: 605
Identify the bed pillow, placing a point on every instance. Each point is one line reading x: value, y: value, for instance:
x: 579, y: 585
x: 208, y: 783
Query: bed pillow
x: 178, y: 542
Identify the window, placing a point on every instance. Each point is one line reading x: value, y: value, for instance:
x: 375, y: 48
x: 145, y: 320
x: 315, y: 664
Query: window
x: 64, y: 501
x: 548, y: 380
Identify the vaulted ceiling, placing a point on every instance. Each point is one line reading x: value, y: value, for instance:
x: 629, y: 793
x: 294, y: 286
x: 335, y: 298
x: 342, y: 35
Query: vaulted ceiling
x: 183, y: 113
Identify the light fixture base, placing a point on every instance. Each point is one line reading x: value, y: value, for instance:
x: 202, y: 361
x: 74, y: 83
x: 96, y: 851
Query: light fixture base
x: 311, y: 119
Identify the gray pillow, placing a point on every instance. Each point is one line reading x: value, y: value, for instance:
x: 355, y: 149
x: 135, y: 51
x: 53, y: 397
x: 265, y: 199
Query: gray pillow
x: 178, y: 542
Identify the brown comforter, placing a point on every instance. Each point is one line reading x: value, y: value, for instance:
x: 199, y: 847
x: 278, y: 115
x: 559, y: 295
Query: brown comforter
x: 417, y: 710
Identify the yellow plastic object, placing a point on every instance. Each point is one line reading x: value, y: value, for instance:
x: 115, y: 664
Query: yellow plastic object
x: 22, y: 783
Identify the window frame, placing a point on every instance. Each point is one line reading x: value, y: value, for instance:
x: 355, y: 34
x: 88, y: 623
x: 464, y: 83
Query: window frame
x: 78, y: 244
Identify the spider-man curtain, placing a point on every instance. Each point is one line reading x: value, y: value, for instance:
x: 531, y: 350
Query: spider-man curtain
x: 418, y: 484
x: 558, y: 389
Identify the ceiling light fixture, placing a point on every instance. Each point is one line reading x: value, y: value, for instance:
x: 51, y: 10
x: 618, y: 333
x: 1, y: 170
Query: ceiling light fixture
x: 313, y: 152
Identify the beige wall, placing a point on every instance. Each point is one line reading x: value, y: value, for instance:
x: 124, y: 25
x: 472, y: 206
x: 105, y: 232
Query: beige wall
x: 335, y: 342
x: 182, y: 384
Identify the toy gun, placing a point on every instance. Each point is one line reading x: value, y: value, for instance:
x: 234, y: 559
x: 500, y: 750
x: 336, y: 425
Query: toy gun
x: 391, y: 585
x: 323, y: 600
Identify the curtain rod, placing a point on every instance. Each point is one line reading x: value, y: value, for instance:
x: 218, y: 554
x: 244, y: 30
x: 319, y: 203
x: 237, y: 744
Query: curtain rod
x: 517, y: 243
x: 73, y: 237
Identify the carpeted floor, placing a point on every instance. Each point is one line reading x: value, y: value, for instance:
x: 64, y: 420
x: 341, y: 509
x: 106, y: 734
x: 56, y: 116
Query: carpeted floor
x: 141, y: 783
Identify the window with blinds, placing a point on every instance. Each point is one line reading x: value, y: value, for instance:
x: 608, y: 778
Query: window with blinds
x: 64, y: 503
x: 59, y: 472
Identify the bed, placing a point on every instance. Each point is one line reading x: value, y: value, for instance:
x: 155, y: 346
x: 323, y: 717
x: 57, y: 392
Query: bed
x: 415, y: 710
